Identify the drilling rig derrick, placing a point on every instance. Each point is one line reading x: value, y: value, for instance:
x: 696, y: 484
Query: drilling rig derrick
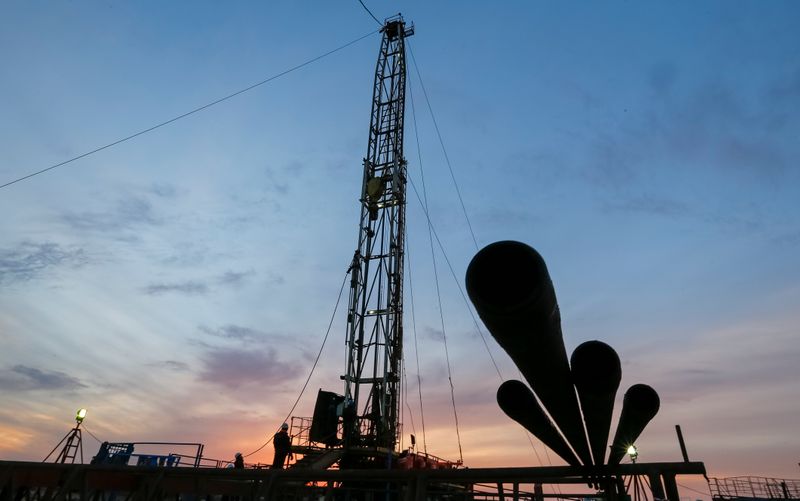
x: 375, y: 315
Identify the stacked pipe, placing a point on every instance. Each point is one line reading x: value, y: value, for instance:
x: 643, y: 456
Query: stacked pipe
x: 510, y: 286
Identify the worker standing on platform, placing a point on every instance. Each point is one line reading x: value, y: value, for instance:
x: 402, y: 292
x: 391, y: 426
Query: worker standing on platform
x: 238, y: 461
x: 283, y: 446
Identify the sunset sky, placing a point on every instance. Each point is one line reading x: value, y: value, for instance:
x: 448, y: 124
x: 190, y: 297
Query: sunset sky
x: 179, y: 285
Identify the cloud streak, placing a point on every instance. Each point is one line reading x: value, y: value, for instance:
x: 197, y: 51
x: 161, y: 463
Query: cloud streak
x: 711, y: 128
x: 235, y: 332
x: 130, y: 212
x: 236, y: 367
x: 189, y: 288
x: 172, y: 365
x: 234, y: 278
x: 198, y: 287
x: 650, y: 205
x: 25, y: 378
x: 29, y: 260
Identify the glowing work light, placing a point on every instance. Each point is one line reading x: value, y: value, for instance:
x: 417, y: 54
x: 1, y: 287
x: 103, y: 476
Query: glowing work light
x: 80, y: 415
x: 633, y: 452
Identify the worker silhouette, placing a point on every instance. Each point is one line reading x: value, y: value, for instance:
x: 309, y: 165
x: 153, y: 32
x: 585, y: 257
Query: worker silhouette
x: 283, y: 446
x: 238, y: 462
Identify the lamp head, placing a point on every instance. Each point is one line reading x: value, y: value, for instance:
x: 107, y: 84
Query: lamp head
x: 633, y: 452
x: 80, y: 415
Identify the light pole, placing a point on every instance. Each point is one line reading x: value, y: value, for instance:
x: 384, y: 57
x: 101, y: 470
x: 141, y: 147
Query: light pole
x: 73, y: 442
x: 635, y: 483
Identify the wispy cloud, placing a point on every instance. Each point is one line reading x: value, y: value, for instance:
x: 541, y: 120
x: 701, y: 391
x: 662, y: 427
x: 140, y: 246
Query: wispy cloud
x: 130, y: 212
x: 712, y: 128
x: 234, y: 278
x: 662, y: 78
x: 24, y: 378
x: 247, y: 336
x: 786, y: 89
x: 196, y: 287
x: 235, y: 367
x: 164, y: 190
x: 729, y: 360
x: 189, y: 288
x: 276, y: 177
x: 172, y: 365
x: 649, y: 205
x: 28, y: 260
x: 236, y: 332
x: 433, y: 334
x: 191, y: 254
x: 496, y: 216
x: 787, y: 238
x: 654, y: 205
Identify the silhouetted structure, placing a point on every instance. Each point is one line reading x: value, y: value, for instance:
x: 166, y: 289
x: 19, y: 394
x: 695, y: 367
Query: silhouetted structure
x: 510, y: 286
x: 375, y: 312
x: 72, y: 442
x: 511, y: 289
x: 639, y: 406
x: 596, y: 372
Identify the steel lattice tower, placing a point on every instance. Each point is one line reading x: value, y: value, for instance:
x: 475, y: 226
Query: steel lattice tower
x: 375, y: 315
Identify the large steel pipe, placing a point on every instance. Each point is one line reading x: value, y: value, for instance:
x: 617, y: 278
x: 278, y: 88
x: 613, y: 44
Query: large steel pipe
x: 596, y: 372
x: 639, y: 406
x: 511, y: 289
x: 518, y: 402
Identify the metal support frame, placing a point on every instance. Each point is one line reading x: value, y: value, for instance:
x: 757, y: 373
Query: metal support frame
x: 73, y: 444
x: 23, y: 481
x: 375, y: 314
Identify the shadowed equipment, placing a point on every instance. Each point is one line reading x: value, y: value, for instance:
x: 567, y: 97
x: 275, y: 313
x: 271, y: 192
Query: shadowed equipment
x: 596, y: 373
x: 639, y: 406
x: 511, y: 289
x: 519, y: 403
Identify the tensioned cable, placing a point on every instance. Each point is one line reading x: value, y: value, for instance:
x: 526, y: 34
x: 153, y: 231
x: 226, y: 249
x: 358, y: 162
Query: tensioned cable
x: 405, y: 397
x: 538, y: 458
x: 370, y: 13
x: 425, y: 210
x: 444, y: 150
x: 555, y: 488
x: 416, y: 344
x: 92, y: 434
x: 549, y: 462
x: 316, y: 360
x: 469, y: 224
x: 436, y: 279
x: 192, y: 112
x: 695, y: 490
x: 455, y: 279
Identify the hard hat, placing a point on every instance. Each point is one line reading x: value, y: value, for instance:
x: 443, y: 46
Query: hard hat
x: 238, y: 454
x: 284, y: 426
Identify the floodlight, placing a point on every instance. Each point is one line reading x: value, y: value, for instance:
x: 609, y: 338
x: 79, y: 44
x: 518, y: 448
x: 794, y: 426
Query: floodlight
x: 633, y: 452
x: 80, y: 415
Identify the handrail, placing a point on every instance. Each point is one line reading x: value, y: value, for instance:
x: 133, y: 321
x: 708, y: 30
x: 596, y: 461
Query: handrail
x: 754, y: 488
x: 24, y: 480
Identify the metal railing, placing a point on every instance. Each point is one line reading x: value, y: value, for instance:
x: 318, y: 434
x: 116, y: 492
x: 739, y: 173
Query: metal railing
x: 23, y: 481
x: 123, y: 452
x: 754, y: 488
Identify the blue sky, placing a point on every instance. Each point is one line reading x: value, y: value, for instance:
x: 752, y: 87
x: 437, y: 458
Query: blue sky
x: 180, y: 284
